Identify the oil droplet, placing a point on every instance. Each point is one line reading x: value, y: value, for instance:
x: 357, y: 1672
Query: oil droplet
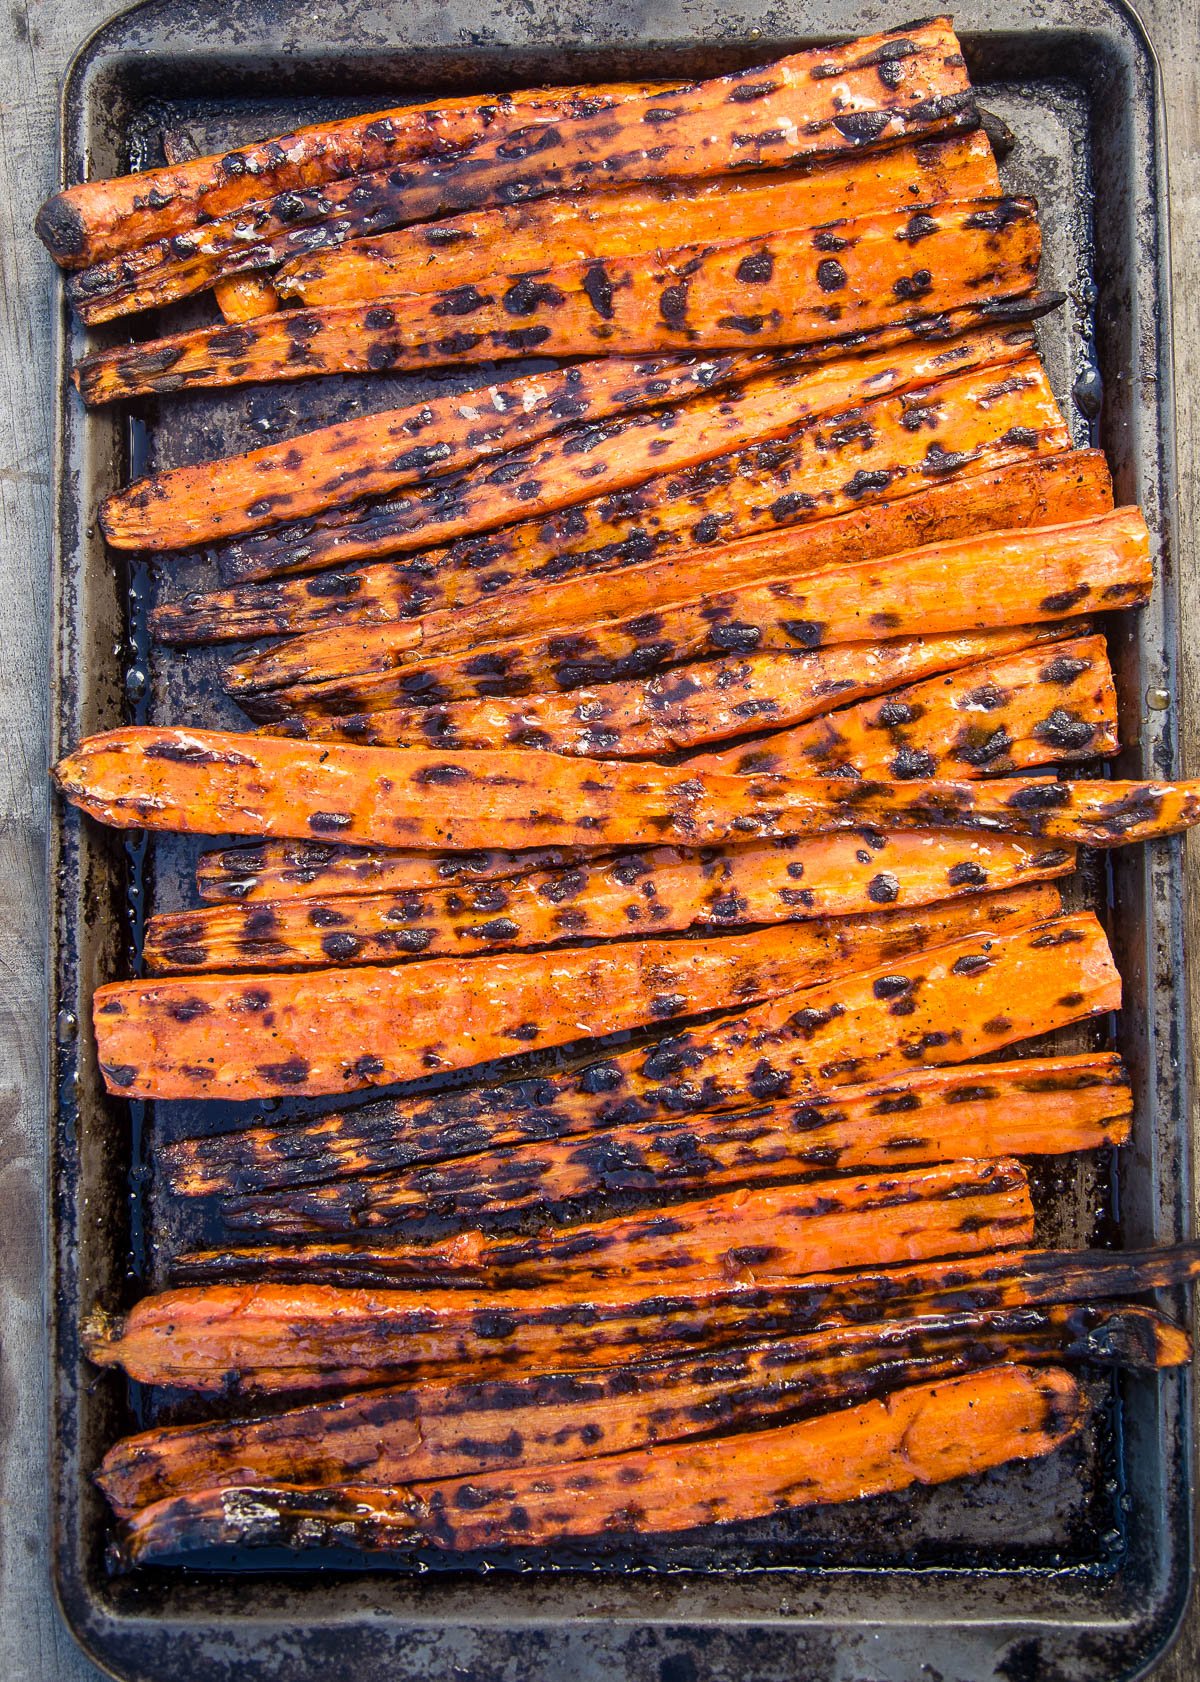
x: 1158, y: 700
x: 68, y: 1026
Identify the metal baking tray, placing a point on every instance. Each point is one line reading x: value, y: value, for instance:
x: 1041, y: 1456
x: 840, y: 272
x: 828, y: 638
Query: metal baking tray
x: 1076, y: 1567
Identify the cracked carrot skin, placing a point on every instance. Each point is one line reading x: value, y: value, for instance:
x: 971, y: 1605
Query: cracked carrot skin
x: 1035, y: 707
x: 534, y: 235
x: 390, y: 1436
x: 692, y: 1155
x: 1069, y: 486
x: 524, y: 1118
x: 781, y: 289
x: 986, y: 582
x: 625, y: 221
x: 575, y: 434
x: 922, y: 1434
x: 276, y: 1036
x: 659, y: 891
x: 99, y: 219
x: 372, y: 455
x: 684, y: 707
x: 220, y: 782
x: 827, y: 464
x: 297, y: 869
x: 274, y: 1335
x: 755, y: 1234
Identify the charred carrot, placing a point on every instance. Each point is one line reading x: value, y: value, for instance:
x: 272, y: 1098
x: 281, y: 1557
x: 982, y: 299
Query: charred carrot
x: 217, y: 782
x: 604, y: 427
x: 375, y: 454
x: 686, y: 706
x: 923, y: 1434
x: 405, y: 1133
x: 289, y: 869
x: 274, y: 1032
x: 653, y: 215
x: 769, y: 291
x: 394, y: 1436
x: 535, y: 235
x: 1073, y: 485
x: 691, y: 1155
x: 754, y: 1234
x: 1035, y: 707
x: 980, y: 583
x: 273, y: 1335
x: 655, y: 892
x: 98, y: 219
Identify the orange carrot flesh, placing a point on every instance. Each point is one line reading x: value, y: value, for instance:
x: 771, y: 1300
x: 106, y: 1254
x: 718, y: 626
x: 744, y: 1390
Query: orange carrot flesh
x: 245, y: 297
x: 762, y: 292
x: 524, y: 1118
x: 922, y: 1434
x: 626, y: 221
x: 1031, y: 708
x: 373, y: 455
x: 279, y: 1335
x: 1073, y: 485
x: 215, y: 782
x: 656, y: 892
x: 691, y: 1155
x: 687, y: 706
x: 99, y: 219
x: 345, y: 1029
x: 981, y: 583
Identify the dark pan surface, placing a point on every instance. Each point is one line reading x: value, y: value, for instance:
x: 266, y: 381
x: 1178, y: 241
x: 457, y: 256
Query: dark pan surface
x: 1074, y: 1566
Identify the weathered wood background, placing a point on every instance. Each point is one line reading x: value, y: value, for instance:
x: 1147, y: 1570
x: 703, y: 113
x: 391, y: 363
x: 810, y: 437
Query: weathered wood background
x: 37, y: 38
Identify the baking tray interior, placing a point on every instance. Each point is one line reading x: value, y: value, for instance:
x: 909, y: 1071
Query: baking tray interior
x: 1097, y: 1533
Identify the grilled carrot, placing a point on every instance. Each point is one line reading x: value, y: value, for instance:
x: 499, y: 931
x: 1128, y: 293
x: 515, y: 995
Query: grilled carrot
x: 922, y: 1434
x: 1072, y: 485
x: 687, y: 1155
x: 240, y: 298
x: 393, y: 1436
x: 1031, y: 708
x: 755, y: 1234
x: 656, y: 892
x: 100, y: 219
x: 653, y: 215
x: 649, y: 982
x: 614, y: 440
x: 375, y: 454
x: 393, y: 1134
x: 781, y: 289
x: 290, y: 869
x: 827, y: 465
x: 686, y: 706
x: 345, y: 1029
x: 274, y: 1335
x: 245, y: 297
x: 535, y: 235
x: 217, y: 782
x: 980, y: 583
x: 905, y: 83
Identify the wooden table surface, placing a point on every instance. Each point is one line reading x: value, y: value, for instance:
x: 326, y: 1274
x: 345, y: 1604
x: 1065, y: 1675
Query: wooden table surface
x: 37, y: 38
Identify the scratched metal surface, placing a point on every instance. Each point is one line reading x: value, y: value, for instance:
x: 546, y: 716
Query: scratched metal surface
x: 1063, y: 1512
